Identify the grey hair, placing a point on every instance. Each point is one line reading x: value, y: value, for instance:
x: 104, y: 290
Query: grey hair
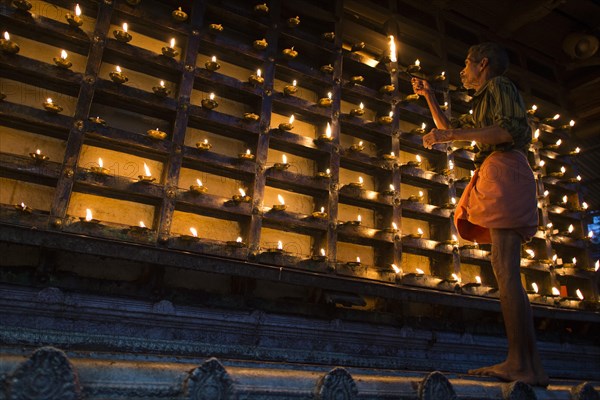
x: 496, y: 55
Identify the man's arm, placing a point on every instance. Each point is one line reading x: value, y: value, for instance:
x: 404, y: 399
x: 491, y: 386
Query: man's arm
x: 422, y: 88
x: 486, y: 135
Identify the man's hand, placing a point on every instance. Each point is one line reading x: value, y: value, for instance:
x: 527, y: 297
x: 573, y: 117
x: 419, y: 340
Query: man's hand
x: 421, y: 86
x: 437, y: 136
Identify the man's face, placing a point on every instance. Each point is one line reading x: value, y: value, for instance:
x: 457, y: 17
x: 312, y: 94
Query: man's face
x: 471, y: 73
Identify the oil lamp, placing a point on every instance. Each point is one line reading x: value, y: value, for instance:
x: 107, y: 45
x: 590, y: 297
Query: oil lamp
x: 51, y: 107
x: 322, y: 256
x: 416, y: 199
x: 260, y: 44
x: 283, y: 165
x: 22, y: 5
x: 444, y: 107
x: 441, y: 77
x: 117, y: 76
x: 327, y: 69
x: 147, y: 177
x: 251, y: 117
x: 7, y: 46
x: 23, y: 208
x: 386, y: 119
x: 357, y: 112
x: 326, y: 137
x: 212, y: 65
x: 320, y: 214
x: 261, y: 8
x: 356, y: 79
x: 358, y: 46
x: 387, y: 89
x: 122, y: 35
x: 179, y: 15
x: 390, y: 191
x: 239, y: 242
x: 198, y: 188
x: 39, y: 156
x: 551, y: 120
x: 75, y: 21
x: 532, y: 110
x: 357, y: 147
x: 389, y: 156
x: 354, y: 263
x: 62, y: 61
x: 169, y: 51
x: 156, y: 134
x: 278, y: 248
x: 215, y: 28
x: 355, y: 222
x: 324, y: 175
x: 141, y: 228
x: 256, y: 79
x: 281, y: 206
x: 415, y: 163
x: 287, y: 126
x: 161, y: 90
x: 247, y: 155
x: 569, y: 125
x: 291, y: 89
x: 100, y: 170
x: 417, y: 235
x: 530, y: 254
x: 209, y: 103
x: 358, y: 184
x: 293, y: 22
x: 393, y: 228
x: 416, y: 67
x: 97, y: 120
x: 411, y: 98
x: 325, y: 101
x: 242, y: 197
x: 393, y: 57
x: 289, y: 54
x: 89, y: 217
x: 204, y: 145
x: 329, y: 36
x: 419, y: 131
x: 192, y: 237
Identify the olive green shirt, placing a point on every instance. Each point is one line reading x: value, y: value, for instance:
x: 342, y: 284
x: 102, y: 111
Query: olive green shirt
x: 498, y: 102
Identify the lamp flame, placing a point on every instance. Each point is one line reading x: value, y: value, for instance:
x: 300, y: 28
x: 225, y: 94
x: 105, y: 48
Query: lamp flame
x: 322, y: 209
x: 557, y: 116
x: 280, y: 199
x: 574, y: 260
x: 172, y: 42
x: 565, y: 199
x: 361, y: 106
x: 478, y: 279
x: 6, y: 36
x: 100, y: 163
x: 393, y: 57
x: 423, y: 125
x: 420, y: 193
x: 328, y: 130
x: 239, y: 239
x: 420, y: 231
x: 555, y: 292
x: 358, y: 218
x: 162, y: 84
x: 125, y: 26
x: 584, y: 205
x: 214, y: 59
x: 420, y: 271
x: 199, y: 182
x: 571, y: 123
x: 358, y: 259
x: 418, y: 157
x: 360, y: 180
x: 392, y: 188
x: 284, y: 159
x: 329, y: 95
x: 211, y: 96
x: 534, y: 286
x: 77, y: 10
x: 323, y: 252
x: 391, y: 114
x: 49, y: 100
x: 292, y: 119
x: 279, y: 245
x: 455, y: 277
x: 88, y: 214
x: 534, y: 107
x: 571, y: 228
x: 597, y: 265
x: 395, y: 268
x: 118, y: 69
x: 417, y: 62
x: 63, y: 54
x: 194, y: 232
x: 142, y: 224
x: 394, y: 226
x: 258, y: 72
x: 530, y: 252
x: 536, y: 134
x: 242, y: 192
x: 294, y: 83
x: 579, y: 294
x: 559, y: 142
x: 563, y: 169
x: 147, y: 170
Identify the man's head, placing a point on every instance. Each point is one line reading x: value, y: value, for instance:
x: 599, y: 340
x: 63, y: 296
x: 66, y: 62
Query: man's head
x: 484, y: 61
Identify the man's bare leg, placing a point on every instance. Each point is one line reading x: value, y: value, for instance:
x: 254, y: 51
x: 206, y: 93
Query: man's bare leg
x: 523, y: 361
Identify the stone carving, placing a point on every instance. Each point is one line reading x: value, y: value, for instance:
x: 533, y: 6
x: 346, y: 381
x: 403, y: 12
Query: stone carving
x: 435, y: 386
x: 584, y: 391
x: 210, y: 381
x: 47, y: 375
x: 337, y: 384
x: 518, y: 391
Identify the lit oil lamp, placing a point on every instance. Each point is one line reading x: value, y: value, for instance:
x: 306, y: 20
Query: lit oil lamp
x: 444, y: 107
x: 287, y: 126
x: 357, y: 112
x: 354, y: 264
x: 251, y: 117
x: 416, y: 163
x: 392, y: 229
x: 532, y: 110
x: 147, y: 177
x: 387, y: 89
x: 416, y: 67
x: 283, y: 165
x: 261, y: 8
x: 393, y: 57
x: 357, y: 79
x: 62, y: 61
x: 8, y: 46
x: 212, y: 64
x: 39, y: 156
x: 281, y: 206
x: 326, y: 137
x: 260, y: 44
x: 416, y: 199
x: 411, y: 98
x: 386, y: 119
x: 390, y: 191
x: 277, y: 249
x: 22, y: 5
x: 75, y: 21
x: 475, y: 284
x: 325, y: 101
x: 329, y: 36
x: 242, y: 197
x: 156, y: 134
x: 322, y: 256
x: 291, y: 89
x: 357, y: 147
x: 198, y: 188
x: 570, y: 125
x: 530, y: 254
x: 256, y: 79
x: 100, y: 170
x: 590, y: 235
x: 320, y: 214
x: 179, y: 15
x: 161, y: 90
x: 559, y: 174
x: 576, y: 151
x: 289, y: 54
x: 419, y: 131
x: 23, y: 208
x: 192, y: 237
x: 454, y: 278
x: 396, y: 269
x: 324, y: 175
x: 597, y: 265
x: 239, y: 242
x: 141, y: 228
x: 355, y: 222
x: 358, y: 184
x: 551, y: 120
x: 209, y: 103
x: 117, y: 76
x: 417, y: 235
x: 293, y: 22
x: 327, y: 69
x: 389, y: 156
x: 169, y: 51
x: 441, y: 77
x: 122, y: 35
x: 215, y: 28
x: 358, y: 46
x: 51, y: 107
x: 247, y: 155
x: 204, y: 145
x: 450, y: 205
x: 89, y: 217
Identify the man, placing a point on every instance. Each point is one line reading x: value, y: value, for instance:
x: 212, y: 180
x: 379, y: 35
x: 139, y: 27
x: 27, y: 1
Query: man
x: 499, y: 205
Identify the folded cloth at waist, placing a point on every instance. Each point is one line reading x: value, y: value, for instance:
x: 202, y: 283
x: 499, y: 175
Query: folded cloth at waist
x: 501, y: 195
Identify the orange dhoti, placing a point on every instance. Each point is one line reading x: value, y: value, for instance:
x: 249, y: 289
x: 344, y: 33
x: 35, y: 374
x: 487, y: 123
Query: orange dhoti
x: 501, y: 195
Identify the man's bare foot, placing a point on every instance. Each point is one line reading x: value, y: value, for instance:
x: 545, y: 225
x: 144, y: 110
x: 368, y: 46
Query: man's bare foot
x: 505, y: 373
